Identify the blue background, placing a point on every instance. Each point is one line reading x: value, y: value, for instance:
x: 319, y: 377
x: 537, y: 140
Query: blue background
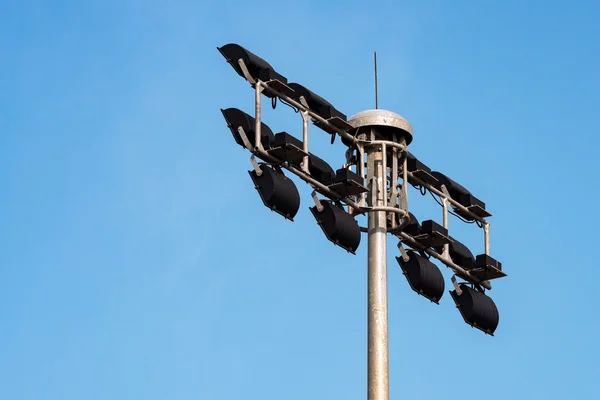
x: 137, y: 261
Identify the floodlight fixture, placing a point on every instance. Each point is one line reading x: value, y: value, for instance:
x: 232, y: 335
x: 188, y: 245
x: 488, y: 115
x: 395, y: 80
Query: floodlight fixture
x: 418, y: 170
x: 347, y: 183
x: 460, y: 254
x: 237, y: 119
x: 321, y: 107
x: 413, y: 227
x: 458, y: 193
x: 277, y: 191
x: 377, y: 162
x: 320, y: 170
x: 476, y: 308
x: 338, y: 226
x: 257, y: 68
x: 423, y: 276
x: 286, y: 147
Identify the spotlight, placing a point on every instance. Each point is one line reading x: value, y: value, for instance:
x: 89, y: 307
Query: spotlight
x: 461, y: 255
x: 320, y: 106
x: 287, y: 148
x: 476, y: 308
x: 419, y: 170
x: 237, y: 119
x: 258, y: 68
x: 461, y: 195
x: 277, y: 192
x: 423, y: 276
x: 413, y: 227
x: 347, y: 183
x: 338, y: 226
x: 320, y: 170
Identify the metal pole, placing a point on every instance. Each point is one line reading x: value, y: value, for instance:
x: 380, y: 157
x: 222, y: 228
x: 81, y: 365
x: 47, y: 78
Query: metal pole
x: 486, y: 237
x: 378, y: 367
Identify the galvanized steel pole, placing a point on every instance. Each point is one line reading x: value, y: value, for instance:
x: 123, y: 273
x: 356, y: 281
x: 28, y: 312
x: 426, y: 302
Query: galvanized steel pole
x: 380, y: 130
x: 378, y: 369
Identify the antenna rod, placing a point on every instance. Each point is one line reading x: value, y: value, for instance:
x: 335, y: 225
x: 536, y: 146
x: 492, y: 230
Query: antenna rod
x: 376, y: 94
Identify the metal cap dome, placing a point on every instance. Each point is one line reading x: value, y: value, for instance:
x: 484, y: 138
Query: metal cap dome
x: 382, y: 118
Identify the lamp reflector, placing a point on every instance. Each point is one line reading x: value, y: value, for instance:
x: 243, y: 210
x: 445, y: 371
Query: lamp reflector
x: 236, y: 118
x: 423, y: 276
x: 477, y: 309
x: 315, y: 102
x: 277, y: 191
x: 320, y: 170
x: 338, y: 226
x: 461, y: 255
x: 461, y: 195
x: 258, y: 68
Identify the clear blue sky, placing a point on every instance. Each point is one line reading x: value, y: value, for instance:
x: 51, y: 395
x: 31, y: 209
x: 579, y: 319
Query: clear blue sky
x: 132, y: 261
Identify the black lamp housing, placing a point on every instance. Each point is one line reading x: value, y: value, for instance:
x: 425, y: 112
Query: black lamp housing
x: 287, y: 148
x: 454, y: 189
x: 461, y: 195
x: 432, y: 234
x: 461, y: 255
x: 338, y: 226
x: 427, y: 234
x: 413, y: 227
x: 418, y: 170
x: 347, y: 183
x: 315, y: 102
x: 320, y: 170
x: 258, y: 68
x: 477, y: 309
x: 277, y: 191
x: 423, y: 276
x: 487, y: 268
x: 321, y: 107
x: 236, y: 118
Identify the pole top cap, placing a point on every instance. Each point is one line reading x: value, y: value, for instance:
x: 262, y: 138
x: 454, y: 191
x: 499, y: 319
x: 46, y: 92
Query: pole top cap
x: 390, y: 120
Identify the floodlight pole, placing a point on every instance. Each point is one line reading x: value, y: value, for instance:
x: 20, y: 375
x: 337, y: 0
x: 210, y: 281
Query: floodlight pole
x: 378, y: 367
x: 380, y: 130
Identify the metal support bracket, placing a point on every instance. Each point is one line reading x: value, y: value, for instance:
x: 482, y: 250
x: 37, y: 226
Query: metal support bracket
x: 255, y: 165
x: 404, y: 198
x: 445, y: 191
x: 244, y: 138
x: 317, y: 201
x: 245, y: 71
x: 305, y: 118
x: 394, y: 181
x: 446, y: 250
x: 304, y: 102
x: 349, y: 158
x: 456, y: 285
x: 374, y: 191
x: 486, y: 237
x: 403, y: 253
x: 360, y: 170
x: 258, y: 88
